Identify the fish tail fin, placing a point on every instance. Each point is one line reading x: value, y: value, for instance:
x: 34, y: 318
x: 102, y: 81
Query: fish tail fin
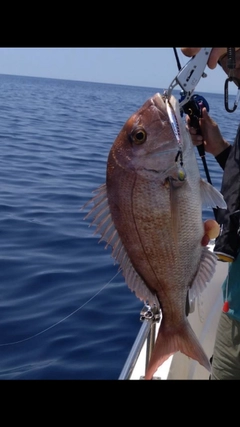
x: 169, y: 342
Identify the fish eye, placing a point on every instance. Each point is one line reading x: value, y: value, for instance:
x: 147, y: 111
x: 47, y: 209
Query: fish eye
x: 139, y: 136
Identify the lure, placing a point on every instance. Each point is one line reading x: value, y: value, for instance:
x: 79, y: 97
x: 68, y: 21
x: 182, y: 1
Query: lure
x: 176, y: 131
x: 173, y: 121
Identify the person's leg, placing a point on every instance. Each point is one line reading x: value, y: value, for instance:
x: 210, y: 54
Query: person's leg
x: 226, y: 353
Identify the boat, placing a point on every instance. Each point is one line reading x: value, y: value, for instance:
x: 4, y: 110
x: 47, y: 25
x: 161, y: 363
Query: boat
x: 203, y: 317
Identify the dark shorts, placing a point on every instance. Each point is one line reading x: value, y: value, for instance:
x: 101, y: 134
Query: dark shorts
x: 226, y: 353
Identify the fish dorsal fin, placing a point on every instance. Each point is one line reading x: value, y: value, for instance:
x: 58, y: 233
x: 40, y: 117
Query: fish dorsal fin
x: 211, y: 197
x: 205, y: 273
x: 105, y: 227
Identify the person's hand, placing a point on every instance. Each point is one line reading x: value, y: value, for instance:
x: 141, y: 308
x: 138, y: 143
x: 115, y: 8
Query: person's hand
x: 210, y: 136
x: 216, y: 54
x: 211, y: 231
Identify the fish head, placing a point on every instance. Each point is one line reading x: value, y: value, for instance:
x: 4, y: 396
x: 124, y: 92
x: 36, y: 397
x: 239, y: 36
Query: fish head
x: 147, y: 143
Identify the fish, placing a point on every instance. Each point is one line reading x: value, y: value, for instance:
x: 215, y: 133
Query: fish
x: 149, y: 211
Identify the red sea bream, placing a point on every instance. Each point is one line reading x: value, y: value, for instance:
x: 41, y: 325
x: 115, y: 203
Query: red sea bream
x: 150, y: 212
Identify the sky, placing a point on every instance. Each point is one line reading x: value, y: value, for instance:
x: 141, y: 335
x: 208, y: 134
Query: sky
x: 150, y: 67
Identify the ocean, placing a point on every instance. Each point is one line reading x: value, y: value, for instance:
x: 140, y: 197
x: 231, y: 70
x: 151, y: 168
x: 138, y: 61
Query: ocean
x: 65, y: 311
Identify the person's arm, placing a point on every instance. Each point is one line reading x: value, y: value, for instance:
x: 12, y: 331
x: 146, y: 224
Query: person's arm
x: 222, y: 157
x: 211, y: 137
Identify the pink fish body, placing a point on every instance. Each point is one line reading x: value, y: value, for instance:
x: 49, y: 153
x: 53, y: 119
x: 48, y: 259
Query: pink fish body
x: 150, y: 212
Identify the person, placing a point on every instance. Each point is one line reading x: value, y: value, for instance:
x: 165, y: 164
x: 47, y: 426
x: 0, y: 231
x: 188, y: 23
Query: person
x: 226, y: 352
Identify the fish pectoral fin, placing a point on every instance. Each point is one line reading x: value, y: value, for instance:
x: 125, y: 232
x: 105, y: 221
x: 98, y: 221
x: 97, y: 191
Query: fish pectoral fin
x: 205, y: 273
x: 102, y: 218
x: 210, y: 196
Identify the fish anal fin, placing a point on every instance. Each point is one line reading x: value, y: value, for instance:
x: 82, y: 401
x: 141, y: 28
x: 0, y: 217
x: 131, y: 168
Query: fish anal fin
x: 137, y: 285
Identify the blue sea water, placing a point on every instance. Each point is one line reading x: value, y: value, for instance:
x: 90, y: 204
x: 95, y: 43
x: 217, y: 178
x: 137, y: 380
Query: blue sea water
x: 65, y: 313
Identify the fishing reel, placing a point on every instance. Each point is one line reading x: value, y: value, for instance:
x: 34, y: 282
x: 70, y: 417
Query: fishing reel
x: 194, y: 110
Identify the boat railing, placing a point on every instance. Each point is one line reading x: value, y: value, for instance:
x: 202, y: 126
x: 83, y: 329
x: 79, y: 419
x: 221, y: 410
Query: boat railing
x: 150, y: 316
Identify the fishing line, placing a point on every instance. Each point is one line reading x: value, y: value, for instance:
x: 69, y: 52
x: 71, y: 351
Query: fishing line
x: 62, y: 320
x: 177, y: 58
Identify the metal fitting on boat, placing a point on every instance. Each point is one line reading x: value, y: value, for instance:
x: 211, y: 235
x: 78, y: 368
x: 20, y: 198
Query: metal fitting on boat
x: 150, y: 313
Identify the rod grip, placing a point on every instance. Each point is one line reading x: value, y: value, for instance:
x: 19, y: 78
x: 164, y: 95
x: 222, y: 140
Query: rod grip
x: 201, y: 150
x: 194, y: 122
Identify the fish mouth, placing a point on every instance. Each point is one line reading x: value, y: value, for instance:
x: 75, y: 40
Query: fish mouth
x: 159, y: 102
